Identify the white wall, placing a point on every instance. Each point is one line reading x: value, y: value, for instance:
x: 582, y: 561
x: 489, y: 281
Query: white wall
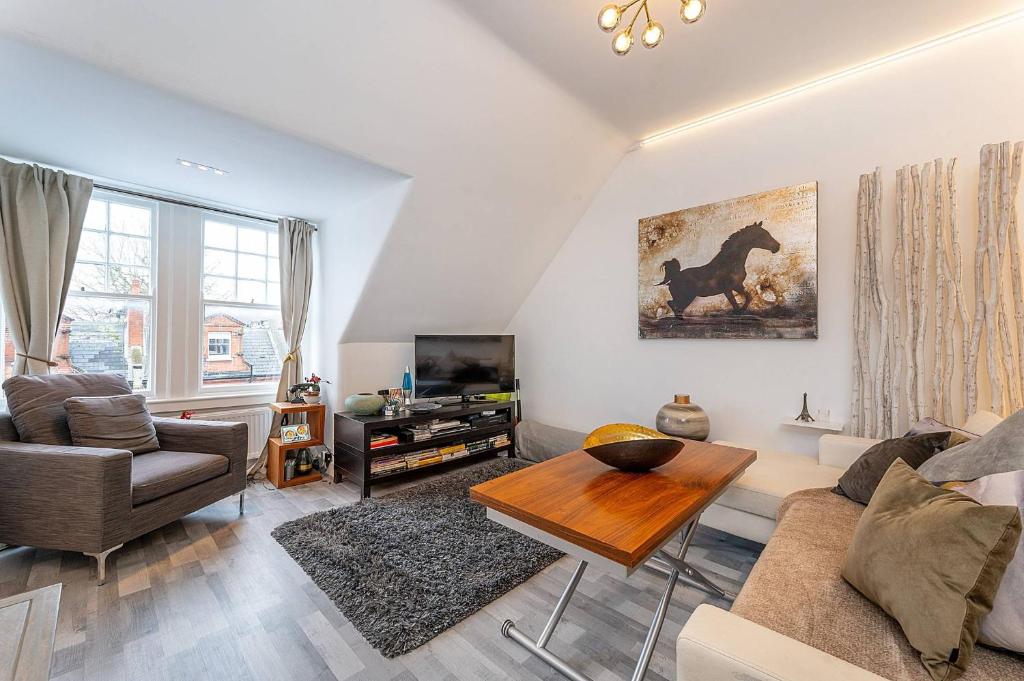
x: 580, y: 360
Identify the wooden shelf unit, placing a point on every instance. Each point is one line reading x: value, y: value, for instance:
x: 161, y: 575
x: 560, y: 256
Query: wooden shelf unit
x: 278, y: 450
x: 352, y: 452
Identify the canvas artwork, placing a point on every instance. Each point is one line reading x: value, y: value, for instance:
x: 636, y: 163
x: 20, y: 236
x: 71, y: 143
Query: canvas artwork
x: 741, y: 268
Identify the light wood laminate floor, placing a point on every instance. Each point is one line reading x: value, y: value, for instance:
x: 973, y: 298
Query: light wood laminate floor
x: 213, y: 596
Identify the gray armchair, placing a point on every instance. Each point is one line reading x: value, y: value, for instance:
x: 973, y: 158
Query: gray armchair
x: 90, y: 500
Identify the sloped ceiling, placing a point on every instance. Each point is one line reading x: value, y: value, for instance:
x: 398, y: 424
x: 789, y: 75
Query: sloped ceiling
x: 503, y: 161
x: 76, y: 116
x: 739, y: 51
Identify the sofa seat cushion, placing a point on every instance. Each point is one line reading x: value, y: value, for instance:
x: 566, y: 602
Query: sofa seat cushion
x: 796, y: 589
x: 772, y: 478
x: 157, y: 474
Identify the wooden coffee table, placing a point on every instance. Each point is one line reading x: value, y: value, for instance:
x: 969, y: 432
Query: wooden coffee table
x: 614, y: 520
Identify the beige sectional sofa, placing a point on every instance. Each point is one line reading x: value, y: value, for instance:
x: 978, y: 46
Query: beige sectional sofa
x: 796, y: 619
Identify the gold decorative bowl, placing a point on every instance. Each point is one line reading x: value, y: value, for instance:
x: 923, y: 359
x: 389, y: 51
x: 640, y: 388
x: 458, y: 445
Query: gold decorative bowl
x: 630, y: 447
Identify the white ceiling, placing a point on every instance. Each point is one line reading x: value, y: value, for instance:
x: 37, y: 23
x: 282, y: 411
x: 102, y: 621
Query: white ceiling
x: 503, y: 161
x: 76, y: 116
x: 737, y: 52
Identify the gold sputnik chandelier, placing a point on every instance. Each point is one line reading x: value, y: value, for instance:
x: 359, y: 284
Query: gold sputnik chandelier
x: 610, y: 17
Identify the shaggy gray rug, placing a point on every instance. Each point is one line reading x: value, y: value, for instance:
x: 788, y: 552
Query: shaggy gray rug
x: 409, y: 565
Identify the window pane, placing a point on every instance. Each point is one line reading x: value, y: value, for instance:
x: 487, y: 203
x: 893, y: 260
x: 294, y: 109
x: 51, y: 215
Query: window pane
x: 219, y: 262
x: 129, y: 250
x: 219, y: 235
x: 218, y: 288
x: 252, y: 266
x: 272, y: 244
x: 93, y: 246
x: 274, y: 270
x: 105, y: 335
x: 256, y: 350
x: 89, y: 278
x: 129, y: 219
x: 252, y: 291
x: 252, y: 240
x: 96, y: 215
x: 273, y: 294
x: 134, y: 280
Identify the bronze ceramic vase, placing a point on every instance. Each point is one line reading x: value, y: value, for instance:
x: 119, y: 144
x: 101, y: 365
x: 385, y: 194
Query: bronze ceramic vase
x: 682, y: 418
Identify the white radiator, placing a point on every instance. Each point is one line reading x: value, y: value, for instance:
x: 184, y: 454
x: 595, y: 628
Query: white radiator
x: 259, y: 420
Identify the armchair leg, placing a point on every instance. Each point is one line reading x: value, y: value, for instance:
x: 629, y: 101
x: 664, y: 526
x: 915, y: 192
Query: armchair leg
x: 101, y: 564
x: 241, y: 503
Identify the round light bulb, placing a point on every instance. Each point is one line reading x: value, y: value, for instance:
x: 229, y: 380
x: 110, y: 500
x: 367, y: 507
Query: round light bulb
x: 692, y: 10
x: 609, y: 16
x: 652, y: 35
x: 622, y: 43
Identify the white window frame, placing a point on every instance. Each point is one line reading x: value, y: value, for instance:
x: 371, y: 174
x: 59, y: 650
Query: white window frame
x: 153, y: 207
x: 223, y: 336
x: 272, y: 228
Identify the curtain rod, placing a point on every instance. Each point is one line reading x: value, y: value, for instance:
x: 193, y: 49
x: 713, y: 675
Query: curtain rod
x: 187, y: 204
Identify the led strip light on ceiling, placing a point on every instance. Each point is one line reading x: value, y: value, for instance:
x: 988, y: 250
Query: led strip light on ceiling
x: 833, y: 77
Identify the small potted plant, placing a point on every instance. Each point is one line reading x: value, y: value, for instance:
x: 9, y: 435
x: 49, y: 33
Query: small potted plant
x: 312, y: 393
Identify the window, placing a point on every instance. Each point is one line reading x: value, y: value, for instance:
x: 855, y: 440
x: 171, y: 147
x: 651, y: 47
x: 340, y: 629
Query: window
x: 218, y: 346
x: 106, y: 326
x: 241, y: 304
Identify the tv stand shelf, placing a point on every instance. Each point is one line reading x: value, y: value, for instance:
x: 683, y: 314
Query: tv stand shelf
x: 353, y: 454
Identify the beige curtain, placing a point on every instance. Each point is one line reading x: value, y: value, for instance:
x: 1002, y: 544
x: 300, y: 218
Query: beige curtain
x: 296, y: 247
x: 41, y: 216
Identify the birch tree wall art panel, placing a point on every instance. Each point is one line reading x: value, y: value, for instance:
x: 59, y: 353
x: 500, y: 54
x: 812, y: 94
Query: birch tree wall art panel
x: 741, y: 268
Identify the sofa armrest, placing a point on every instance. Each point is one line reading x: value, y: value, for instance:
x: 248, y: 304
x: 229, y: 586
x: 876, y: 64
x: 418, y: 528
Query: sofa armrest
x: 60, y: 497
x: 840, y: 451
x: 207, y: 437
x: 716, y: 645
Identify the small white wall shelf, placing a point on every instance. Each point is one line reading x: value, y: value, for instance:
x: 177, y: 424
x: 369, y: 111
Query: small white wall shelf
x: 824, y: 426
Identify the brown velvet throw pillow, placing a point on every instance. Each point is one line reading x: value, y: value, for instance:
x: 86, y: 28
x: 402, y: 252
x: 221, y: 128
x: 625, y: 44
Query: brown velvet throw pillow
x: 933, y: 560
x: 860, y: 479
x: 119, y: 422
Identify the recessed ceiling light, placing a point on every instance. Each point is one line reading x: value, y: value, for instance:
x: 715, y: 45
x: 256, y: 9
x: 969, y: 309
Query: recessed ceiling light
x: 201, y: 167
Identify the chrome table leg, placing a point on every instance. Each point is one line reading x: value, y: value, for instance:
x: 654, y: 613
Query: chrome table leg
x: 665, y: 563
x: 539, y: 647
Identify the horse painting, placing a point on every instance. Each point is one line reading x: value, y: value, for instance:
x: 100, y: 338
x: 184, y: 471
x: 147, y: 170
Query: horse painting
x: 724, y: 275
x: 703, y: 274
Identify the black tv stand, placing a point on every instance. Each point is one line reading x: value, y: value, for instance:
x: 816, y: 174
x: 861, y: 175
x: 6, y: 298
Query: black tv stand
x: 465, y: 399
x: 353, y: 455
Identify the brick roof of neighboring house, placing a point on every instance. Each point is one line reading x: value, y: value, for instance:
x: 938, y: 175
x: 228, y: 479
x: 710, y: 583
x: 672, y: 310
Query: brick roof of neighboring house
x: 260, y: 351
x: 98, y: 347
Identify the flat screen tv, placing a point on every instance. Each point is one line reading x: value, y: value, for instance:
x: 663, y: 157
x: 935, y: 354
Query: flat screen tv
x: 462, y: 366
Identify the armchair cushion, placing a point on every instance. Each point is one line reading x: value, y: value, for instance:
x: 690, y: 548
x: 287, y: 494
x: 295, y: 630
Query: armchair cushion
x: 118, y: 422
x: 160, y: 473
x: 37, y: 402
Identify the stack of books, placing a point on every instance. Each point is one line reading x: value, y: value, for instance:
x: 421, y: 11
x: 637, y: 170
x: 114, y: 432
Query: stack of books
x: 383, y: 440
x: 423, y: 458
x: 500, y: 440
x: 440, y: 427
x: 387, y: 464
x: 478, y: 446
x: 417, y: 433
x: 453, y: 452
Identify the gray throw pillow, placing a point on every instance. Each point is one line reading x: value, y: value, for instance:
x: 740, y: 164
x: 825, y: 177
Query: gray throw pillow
x: 1004, y: 626
x: 861, y: 478
x: 120, y: 422
x: 1000, y: 450
x: 36, y: 403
